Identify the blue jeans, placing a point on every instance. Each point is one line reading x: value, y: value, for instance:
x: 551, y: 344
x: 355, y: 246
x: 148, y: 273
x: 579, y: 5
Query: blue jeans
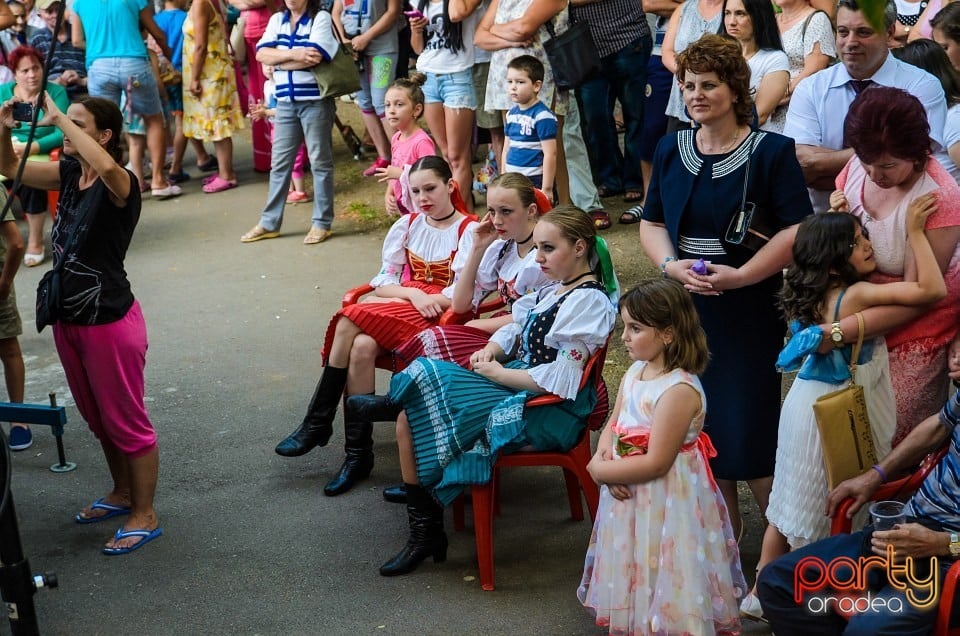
x: 297, y: 122
x: 775, y: 587
x: 110, y: 77
x: 624, y: 78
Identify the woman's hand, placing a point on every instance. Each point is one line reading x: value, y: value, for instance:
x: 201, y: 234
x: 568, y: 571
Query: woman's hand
x: 360, y: 42
x: 491, y: 369
x: 694, y: 283
x: 487, y: 354
x: 620, y: 492
x: 838, y: 201
x: 426, y: 305
x: 484, y: 234
x: 196, y: 89
x: 918, y: 211
x: 308, y: 56
x: 418, y: 24
x: 722, y: 278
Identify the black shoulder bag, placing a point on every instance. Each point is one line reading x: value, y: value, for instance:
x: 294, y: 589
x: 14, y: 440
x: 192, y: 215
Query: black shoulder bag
x: 572, y: 54
x: 49, y: 294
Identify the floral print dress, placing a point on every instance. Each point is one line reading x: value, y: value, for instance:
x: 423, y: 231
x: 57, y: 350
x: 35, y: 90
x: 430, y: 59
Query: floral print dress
x: 216, y: 114
x: 664, y: 561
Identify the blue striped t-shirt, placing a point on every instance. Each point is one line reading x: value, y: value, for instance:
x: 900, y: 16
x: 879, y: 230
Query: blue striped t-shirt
x: 299, y: 85
x: 526, y: 129
x: 939, y: 495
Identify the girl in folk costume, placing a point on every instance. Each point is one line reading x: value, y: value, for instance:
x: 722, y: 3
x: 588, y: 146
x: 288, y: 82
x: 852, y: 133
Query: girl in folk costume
x: 662, y: 558
x: 420, y: 253
x: 502, y: 259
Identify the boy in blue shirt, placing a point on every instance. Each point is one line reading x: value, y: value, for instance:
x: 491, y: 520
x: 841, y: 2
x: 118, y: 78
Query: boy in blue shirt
x: 530, y: 130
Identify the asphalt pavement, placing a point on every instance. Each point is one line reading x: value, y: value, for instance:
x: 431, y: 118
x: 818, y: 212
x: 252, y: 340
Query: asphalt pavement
x: 250, y: 544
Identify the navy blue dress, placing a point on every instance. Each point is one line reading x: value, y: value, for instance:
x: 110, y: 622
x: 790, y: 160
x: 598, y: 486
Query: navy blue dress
x: 695, y: 196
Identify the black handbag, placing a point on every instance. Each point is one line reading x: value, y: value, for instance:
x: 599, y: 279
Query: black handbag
x: 750, y: 227
x: 49, y: 295
x: 572, y: 54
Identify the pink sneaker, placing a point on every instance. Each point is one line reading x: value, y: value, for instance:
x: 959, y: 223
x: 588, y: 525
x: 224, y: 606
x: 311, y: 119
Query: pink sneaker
x: 297, y: 196
x: 376, y: 165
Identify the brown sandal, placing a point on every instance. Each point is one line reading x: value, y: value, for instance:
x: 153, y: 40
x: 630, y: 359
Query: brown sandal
x: 258, y: 233
x: 600, y: 218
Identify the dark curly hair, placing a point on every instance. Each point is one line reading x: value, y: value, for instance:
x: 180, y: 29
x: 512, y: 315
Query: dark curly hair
x: 821, y: 261
x: 721, y: 55
x: 884, y: 120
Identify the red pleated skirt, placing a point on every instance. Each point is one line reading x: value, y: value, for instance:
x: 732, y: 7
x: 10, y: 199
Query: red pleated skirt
x: 389, y: 324
x: 454, y: 343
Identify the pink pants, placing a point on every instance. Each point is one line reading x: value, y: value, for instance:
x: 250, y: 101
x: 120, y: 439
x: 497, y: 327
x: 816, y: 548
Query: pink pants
x: 104, y: 367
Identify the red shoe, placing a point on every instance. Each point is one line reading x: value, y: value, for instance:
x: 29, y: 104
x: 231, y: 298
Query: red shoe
x: 376, y: 165
x: 297, y: 196
x: 218, y: 185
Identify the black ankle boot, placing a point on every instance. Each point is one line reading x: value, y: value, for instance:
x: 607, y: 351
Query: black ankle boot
x: 395, y: 494
x: 317, y: 425
x: 372, y: 408
x: 359, y: 460
x: 427, y: 537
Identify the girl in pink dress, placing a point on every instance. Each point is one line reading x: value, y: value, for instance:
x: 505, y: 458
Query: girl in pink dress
x: 662, y: 558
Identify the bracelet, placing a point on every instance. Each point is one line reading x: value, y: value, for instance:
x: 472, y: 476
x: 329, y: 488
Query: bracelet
x: 883, y: 475
x: 663, y: 265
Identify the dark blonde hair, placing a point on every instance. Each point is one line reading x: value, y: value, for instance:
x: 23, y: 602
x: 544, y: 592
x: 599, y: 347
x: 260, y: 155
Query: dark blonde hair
x: 664, y: 304
x: 519, y: 184
x: 413, y: 85
x: 721, y: 55
x: 574, y: 225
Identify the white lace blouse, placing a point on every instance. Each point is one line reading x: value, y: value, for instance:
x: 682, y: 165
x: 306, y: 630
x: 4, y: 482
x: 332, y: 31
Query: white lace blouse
x: 583, y: 323
x: 426, y: 242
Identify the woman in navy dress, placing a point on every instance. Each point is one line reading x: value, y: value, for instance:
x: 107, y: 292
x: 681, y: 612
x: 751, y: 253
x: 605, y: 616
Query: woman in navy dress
x: 696, y: 189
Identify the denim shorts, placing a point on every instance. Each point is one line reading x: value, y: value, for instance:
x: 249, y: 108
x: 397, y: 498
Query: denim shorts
x: 453, y: 90
x: 109, y: 77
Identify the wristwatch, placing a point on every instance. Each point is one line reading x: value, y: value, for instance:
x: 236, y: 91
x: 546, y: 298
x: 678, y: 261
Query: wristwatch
x: 954, y: 545
x: 836, y: 335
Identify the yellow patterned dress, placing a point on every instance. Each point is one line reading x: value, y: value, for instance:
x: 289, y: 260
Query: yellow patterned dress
x: 216, y: 114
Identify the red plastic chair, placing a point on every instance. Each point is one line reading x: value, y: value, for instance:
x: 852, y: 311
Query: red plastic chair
x: 485, y: 497
x: 900, y: 490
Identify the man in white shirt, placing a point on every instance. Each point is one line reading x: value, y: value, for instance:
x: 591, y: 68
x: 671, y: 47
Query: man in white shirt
x: 820, y: 102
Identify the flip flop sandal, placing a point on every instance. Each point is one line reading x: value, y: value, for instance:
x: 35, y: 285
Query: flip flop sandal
x: 145, y: 537
x: 316, y: 235
x: 633, y: 196
x: 631, y: 216
x: 166, y: 193
x: 605, y: 193
x: 258, y: 234
x: 600, y: 218
x: 111, y: 512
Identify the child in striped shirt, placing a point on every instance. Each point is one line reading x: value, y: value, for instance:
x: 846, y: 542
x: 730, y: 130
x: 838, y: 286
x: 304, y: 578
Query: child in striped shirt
x: 530, y: 146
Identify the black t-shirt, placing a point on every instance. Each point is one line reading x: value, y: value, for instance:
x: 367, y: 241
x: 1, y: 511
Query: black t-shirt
x: 94, y: 285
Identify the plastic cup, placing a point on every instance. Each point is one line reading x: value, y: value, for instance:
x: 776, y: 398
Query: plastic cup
x: 887, y: 514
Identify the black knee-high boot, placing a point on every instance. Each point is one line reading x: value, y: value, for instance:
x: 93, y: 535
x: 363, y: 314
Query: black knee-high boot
x: 427, y: 537
x: 358, y: 446
x: 317, y: 425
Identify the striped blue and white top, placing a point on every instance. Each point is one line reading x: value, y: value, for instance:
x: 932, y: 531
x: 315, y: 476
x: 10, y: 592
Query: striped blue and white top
x: 299, y: 85
x: 526, y: 129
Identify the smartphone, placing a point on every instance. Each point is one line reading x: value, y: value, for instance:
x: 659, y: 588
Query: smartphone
x: 414, y: 15
x: 22, y: 111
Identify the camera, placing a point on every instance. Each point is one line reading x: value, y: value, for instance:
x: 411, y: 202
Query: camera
x: 22, y: 111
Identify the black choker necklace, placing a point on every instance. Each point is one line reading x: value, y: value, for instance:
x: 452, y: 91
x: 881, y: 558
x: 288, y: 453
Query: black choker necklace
x: 571, y: 282
x: 444, y: 218
x: 526, y: 240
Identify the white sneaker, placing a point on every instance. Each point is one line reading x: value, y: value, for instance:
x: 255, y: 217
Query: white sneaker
x: 750, y: 608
